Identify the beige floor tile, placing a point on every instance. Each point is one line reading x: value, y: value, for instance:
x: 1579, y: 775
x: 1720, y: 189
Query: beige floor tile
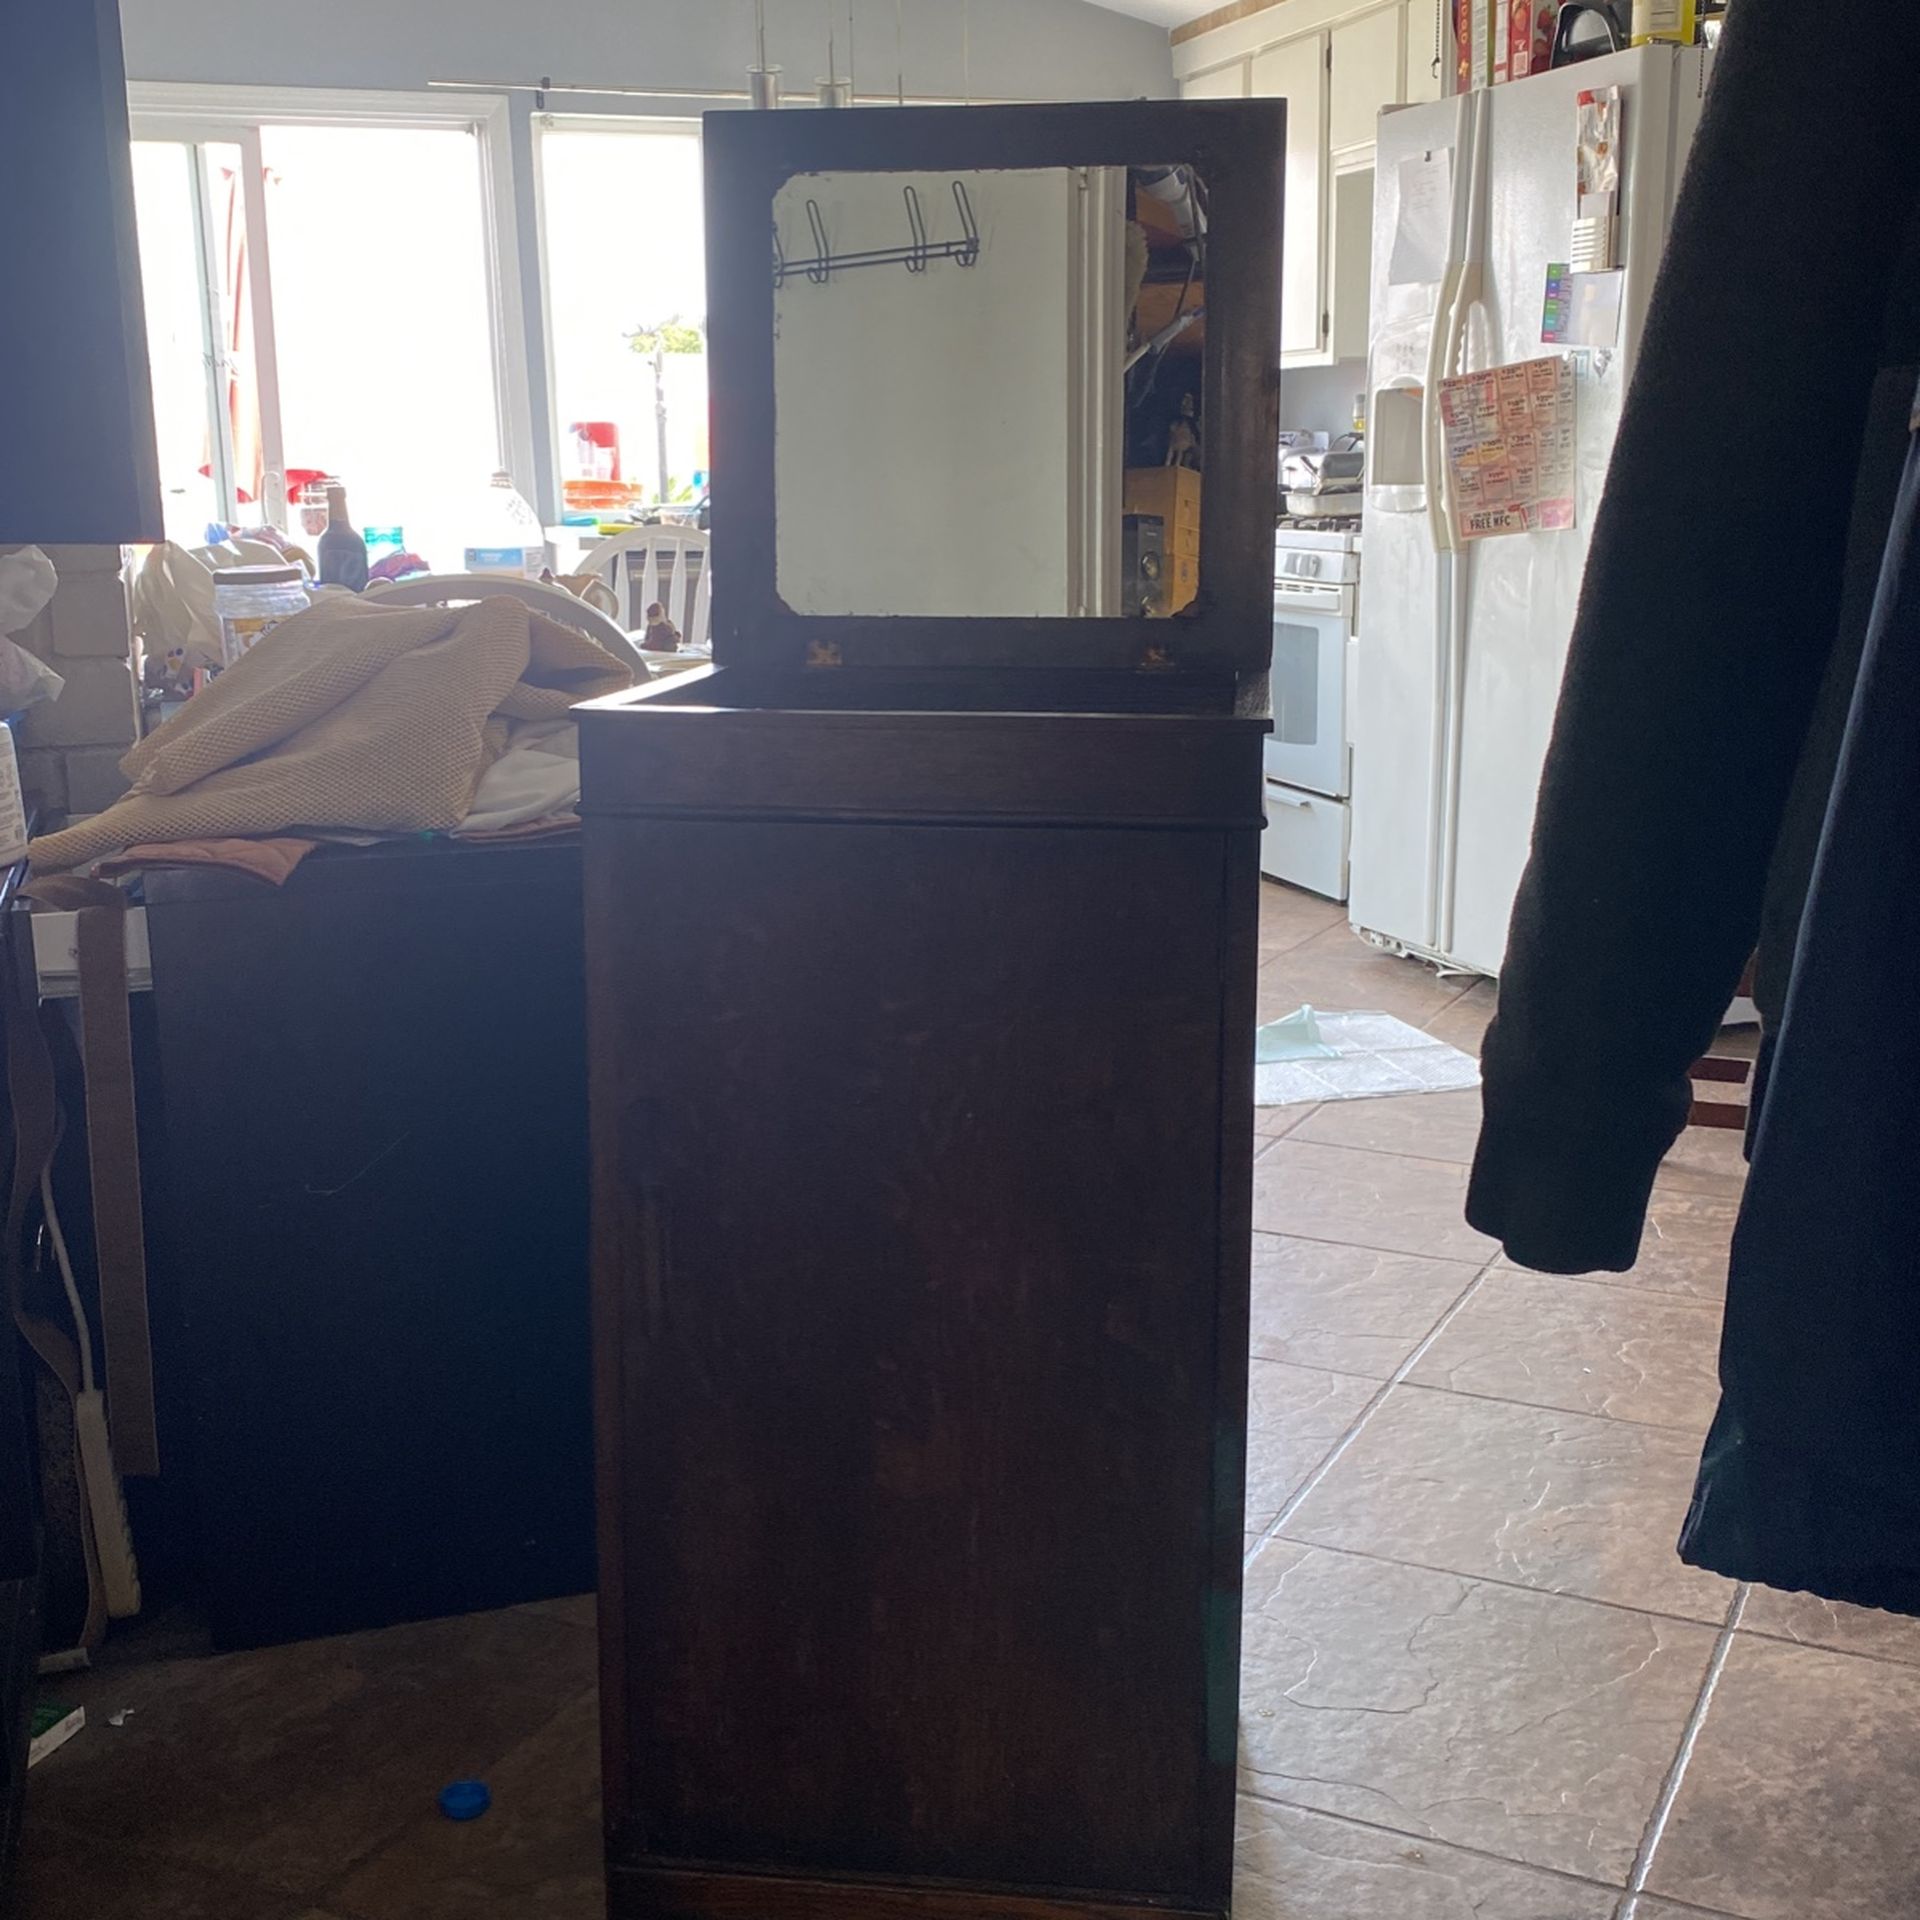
x: 1347, y: 1308
x: 1270, y: 1123
x: 1431, y: 1126
x: 280, y: 1766
x: 1521, y: 1724
x: 535, y: 1854
x: 1293, y: 1865
x: 1289, y: 917
x: 1684, y: 1247
x: 1337, y: 972
x: 1294, y: 1415
x: 1588, y: 1349
x: 1381, y: 1200
x: 1814, y: 1622
x: 1464, y: 1023
x: 1557, y: 1501
x: 1798, y: 1803
x: 1706, y: 1160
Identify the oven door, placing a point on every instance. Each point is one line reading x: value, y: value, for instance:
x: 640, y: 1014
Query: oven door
x: 1308, y: 747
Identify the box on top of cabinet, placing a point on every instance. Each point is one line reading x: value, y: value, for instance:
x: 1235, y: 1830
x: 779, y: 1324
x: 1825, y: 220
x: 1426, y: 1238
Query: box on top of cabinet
x: 1500, y: 40
x: 1529, y: 37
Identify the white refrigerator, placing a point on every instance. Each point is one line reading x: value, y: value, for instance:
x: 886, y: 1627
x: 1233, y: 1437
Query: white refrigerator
x: 1461, y: 645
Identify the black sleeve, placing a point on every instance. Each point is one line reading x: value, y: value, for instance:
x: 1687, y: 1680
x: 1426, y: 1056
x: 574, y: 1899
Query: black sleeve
x: 1705, y: 622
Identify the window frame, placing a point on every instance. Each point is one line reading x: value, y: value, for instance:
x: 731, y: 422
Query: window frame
x: 192, y: 112
x: 547, y: 120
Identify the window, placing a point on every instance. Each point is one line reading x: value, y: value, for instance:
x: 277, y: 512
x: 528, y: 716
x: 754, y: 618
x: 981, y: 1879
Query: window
x: 325, y: 297
x: 626, y: 299
x: 192, y: 236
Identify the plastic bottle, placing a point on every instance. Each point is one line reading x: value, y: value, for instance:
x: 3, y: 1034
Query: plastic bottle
x: 343, y: 554
x: 505, y: 535
x: 1675, y: 20
x: 250, y: 601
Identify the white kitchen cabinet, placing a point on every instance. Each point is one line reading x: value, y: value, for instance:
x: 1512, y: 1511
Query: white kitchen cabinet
x: 1367, y: 54
x: 1296, y: 71
x: 1337, y: 63
x: 1218, y: 83
x: 1427, y: 50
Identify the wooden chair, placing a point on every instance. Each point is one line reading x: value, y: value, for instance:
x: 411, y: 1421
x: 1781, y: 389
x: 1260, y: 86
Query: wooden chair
x: 667, y: 565
x: 459, y: 589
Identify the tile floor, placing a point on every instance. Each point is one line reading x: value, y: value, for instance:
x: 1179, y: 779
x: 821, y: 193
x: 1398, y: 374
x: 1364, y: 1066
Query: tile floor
x: 1478, y: 1683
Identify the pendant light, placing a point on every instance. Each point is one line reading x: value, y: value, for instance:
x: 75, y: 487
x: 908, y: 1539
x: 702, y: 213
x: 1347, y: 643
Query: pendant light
x: 763, y: 81
x: 834, y: 91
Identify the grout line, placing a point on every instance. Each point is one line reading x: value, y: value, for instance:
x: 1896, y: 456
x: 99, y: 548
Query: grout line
x: 1470, y: 1266
x: 1308, y: 1108
x: 1694, y: 1434
x: 1662, y: 1179
x: 1388, y: 1153
x: 1293, y: 1501
x: 1775, y: 1637
x: 1656, y: 1829
x: 1252, y: 1792
x: 1621, y: 1282
x: 1399, y: 1253
x: 1496, y: 1580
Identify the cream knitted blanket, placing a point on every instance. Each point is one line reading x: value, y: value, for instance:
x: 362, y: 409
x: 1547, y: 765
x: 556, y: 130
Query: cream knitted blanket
x: 350, y: 715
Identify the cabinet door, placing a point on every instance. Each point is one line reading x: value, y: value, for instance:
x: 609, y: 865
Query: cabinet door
x: 1366, y: 76
x: 1428, y: 49
x: 1296, y: 71
x: 1223, y: 83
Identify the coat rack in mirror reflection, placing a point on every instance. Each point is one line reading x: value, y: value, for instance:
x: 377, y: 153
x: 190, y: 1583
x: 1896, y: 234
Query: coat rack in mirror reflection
x: 915, y: 256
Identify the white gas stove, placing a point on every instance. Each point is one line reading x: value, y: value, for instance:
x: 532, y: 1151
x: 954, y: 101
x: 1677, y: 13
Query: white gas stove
x: 1316, y: 589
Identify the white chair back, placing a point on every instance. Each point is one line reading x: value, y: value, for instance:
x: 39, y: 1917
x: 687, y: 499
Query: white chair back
x: 459, y: 589
x: 668, y: 566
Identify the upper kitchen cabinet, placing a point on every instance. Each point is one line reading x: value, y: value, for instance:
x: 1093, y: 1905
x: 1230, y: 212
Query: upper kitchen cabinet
x: 1296, y: 72
x: 1427, y: 45
x: 1337, y: 63
x: 1368, y: 52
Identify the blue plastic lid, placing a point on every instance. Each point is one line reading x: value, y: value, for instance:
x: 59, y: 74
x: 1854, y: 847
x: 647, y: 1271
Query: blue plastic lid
x: 465, y: 1799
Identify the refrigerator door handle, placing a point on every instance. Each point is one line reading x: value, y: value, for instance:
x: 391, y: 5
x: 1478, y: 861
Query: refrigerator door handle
x: 1439, y: 347
x: 1460, y: 293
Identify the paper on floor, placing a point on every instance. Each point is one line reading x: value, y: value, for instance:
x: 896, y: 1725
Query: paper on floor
x: 1358, y: 1056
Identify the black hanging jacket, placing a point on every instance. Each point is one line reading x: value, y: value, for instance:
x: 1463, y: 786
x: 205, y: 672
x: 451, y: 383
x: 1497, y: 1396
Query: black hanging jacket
x: 1745, y: 485
x: 1708, y: 615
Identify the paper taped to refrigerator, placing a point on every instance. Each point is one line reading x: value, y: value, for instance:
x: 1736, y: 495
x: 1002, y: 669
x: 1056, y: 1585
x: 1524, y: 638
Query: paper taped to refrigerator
x: 1423, y: 232
x: 1510, y: 446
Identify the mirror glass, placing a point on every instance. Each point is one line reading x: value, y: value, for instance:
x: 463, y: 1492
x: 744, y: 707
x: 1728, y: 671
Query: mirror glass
x: 988, y: 393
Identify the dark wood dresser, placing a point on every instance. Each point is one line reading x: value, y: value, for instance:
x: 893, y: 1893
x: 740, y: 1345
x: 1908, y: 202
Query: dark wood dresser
x: 921, y: 958
x: 368, y: 1234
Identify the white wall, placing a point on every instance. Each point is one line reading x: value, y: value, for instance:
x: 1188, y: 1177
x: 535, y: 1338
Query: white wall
x: 1321, y: 397
x: 1019, y: 49
x: 923, y: 429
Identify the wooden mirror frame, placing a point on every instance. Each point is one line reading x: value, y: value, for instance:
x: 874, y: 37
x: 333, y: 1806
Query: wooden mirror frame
x: 1238, y: 148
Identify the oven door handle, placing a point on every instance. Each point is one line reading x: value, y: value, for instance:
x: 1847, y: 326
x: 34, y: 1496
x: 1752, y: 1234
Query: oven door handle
x: 1298, y: 597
